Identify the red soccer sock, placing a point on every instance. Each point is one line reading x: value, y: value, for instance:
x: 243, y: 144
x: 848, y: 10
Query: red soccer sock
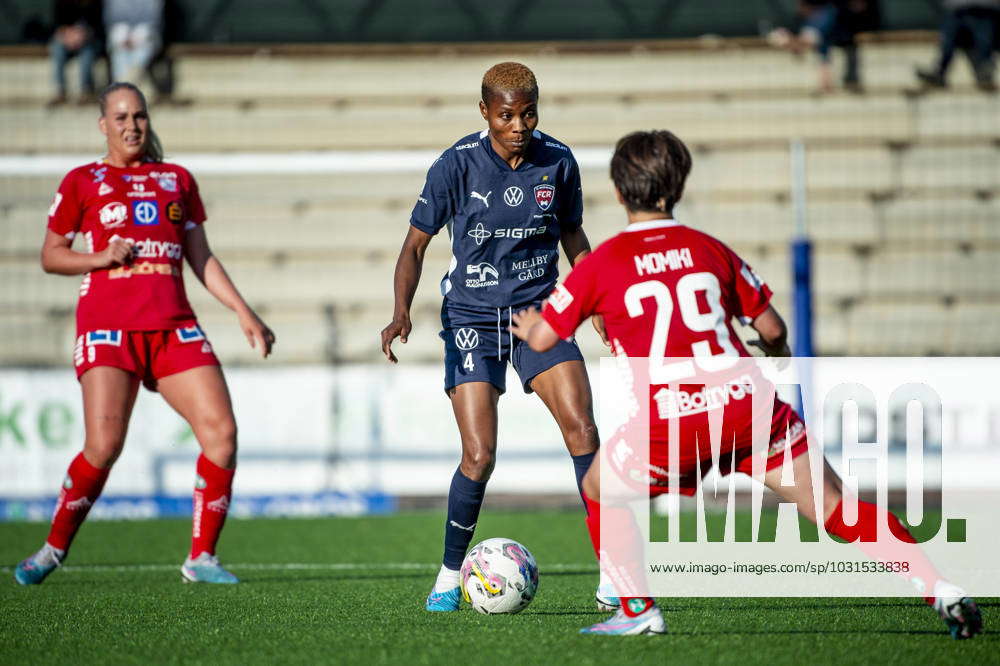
x: 864, y: 532
x: 81, y: 488
x: 620, y: 560
x: 212, y: 491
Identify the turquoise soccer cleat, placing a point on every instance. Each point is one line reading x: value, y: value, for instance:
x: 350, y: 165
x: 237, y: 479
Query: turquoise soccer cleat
x: 206, y: 569
x: 443, y: 602
x: 33, y: 570
x: 649, y: 623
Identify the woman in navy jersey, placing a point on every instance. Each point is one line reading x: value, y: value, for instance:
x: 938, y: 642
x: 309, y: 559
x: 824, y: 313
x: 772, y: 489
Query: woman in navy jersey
x: 139, y: 218
x: 509, y: 196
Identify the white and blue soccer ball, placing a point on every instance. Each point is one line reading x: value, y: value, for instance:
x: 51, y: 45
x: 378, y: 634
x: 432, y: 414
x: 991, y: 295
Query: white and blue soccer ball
x: 499, y: 576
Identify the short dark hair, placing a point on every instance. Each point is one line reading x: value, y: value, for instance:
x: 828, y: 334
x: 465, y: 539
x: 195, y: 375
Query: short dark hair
x: 650, y: 169
x: 508, y: 77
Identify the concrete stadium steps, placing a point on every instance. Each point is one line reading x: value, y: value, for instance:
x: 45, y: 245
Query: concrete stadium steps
x: 304, y: 334
x: 853, y: 176
x: 873, y: 118
x: 899, y: 329
x: 277, y: 79
x: 35, y: 336
x: 374, y: 228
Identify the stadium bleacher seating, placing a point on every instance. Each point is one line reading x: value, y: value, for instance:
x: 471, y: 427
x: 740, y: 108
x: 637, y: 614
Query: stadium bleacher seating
x: 903, y: 188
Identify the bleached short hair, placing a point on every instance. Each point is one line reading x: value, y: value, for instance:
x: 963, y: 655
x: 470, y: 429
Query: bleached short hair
x: 509, y: 77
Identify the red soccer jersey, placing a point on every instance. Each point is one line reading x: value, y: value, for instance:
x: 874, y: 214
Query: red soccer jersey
x: 150, y: 206
x: 665, y: 291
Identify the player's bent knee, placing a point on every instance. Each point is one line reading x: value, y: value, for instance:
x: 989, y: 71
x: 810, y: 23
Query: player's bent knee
x: 102, y: 453
x: 583, y: 438
x: 478, y: 465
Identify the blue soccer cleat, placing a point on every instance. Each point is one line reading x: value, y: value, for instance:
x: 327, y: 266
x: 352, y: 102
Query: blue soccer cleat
x: 606, y: 598
x: 443, y: 602
x: 35, y: 569
x: 648, y: 623
x: 206, y: 569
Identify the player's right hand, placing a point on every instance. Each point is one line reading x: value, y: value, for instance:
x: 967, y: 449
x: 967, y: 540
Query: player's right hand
x: 398, y: 328
x: 117, y: 253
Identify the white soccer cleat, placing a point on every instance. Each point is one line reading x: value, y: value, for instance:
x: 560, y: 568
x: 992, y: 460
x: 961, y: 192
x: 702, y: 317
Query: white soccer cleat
x: 649, y: 623
x: 958, y: 610
x: 206, y: 569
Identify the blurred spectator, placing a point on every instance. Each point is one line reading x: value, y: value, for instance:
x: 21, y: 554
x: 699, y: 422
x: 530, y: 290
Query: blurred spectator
x: 78, y: 33
x: 135, y: 35
x: 971, y: 24
x: 829, y: 23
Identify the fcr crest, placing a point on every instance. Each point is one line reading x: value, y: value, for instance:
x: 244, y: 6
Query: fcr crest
x: 544, y: 194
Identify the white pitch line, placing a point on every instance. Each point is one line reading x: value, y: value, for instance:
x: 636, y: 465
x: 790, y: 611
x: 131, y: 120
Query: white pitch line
x: 291, y: 566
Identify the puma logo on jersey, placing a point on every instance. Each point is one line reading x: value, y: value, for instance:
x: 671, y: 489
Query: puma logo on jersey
x: 470, y: 528
x: 485, y: 199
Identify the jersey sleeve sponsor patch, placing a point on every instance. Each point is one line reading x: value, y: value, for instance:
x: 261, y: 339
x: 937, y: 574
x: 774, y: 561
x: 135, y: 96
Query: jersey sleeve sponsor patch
x: 560, y: 299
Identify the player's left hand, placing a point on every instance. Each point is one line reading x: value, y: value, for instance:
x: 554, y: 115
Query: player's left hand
x: 599, y: 327
x: 521, y: 322
x: 258, y: 334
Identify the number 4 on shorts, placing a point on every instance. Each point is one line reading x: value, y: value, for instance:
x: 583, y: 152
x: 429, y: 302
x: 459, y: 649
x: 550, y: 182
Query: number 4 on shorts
x: 468, y: 364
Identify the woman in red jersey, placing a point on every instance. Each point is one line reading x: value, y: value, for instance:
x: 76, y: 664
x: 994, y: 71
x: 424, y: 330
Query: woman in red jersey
x: 140, y: 217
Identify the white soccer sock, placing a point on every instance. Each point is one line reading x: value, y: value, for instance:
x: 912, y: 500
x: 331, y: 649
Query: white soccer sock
x: 447, y: 580
x: 605, y: 582
x: 49, y: 554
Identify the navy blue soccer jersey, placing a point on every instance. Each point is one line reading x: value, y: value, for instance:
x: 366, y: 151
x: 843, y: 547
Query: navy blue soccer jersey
x: 505, y: 224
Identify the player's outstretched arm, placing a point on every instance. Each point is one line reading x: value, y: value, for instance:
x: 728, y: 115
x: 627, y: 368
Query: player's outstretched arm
x: 528, y: 325
x: 773, y: 333
x: 212, y: 274
x: 60, y: 258
x: 404, y: 285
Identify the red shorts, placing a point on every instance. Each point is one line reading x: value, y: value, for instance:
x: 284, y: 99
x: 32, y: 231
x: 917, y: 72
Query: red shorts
x: 149, y: 355
x: 787, y: 431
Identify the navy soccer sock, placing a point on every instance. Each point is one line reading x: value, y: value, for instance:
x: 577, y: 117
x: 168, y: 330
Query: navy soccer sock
x: 465, y: 498
x: 581, y: 464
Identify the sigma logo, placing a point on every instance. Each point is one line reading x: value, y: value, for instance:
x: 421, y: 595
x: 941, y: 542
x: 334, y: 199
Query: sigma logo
x: 480, y: 234
x: 466, y: 339
x: 513, y: 196
x: 560, y: 298
x: 520, y: 232
x: 553, y: 144
x: 465, y: 146
x: 113, y: 215
x: 486, y: 275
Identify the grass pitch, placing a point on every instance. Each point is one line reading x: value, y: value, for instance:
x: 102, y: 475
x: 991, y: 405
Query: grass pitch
x: 351, y: 590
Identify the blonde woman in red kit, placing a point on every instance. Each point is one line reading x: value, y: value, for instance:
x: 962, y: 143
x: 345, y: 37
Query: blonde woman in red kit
x: 140, y: 218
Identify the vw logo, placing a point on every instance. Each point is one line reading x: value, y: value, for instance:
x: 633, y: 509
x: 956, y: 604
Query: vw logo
x: 480, y: 234
x: 466, y: 338
x: 513, y: 196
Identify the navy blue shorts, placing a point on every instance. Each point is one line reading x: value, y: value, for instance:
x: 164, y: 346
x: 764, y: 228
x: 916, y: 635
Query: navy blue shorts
x: 478, y: 345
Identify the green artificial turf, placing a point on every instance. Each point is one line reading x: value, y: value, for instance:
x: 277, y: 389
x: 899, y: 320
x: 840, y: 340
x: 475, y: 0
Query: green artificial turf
x: 357, y: 597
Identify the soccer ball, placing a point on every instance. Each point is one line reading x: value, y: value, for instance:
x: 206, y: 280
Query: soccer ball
x: 499, y: 576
